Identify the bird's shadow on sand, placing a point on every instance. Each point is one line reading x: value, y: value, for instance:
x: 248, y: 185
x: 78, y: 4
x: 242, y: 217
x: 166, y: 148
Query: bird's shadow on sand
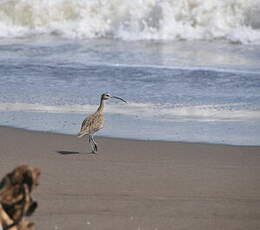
x: 62, y: 152
x: 67, y: 152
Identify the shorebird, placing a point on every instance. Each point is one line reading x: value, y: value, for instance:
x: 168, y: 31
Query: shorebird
x: 95, y: 122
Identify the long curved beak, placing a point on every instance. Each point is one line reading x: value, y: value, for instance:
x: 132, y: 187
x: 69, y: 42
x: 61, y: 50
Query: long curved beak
x: 119, y: 98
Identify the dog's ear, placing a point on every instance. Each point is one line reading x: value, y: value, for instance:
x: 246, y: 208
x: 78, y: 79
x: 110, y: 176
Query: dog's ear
x: 3, y: 183
x: 16, y: 176
x: 28, y: 179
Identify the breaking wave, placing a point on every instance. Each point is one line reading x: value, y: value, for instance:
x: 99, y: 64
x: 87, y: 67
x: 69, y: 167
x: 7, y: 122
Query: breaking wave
x: 233, y: 20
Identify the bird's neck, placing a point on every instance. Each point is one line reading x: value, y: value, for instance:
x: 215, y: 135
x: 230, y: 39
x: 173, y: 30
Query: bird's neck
x: 101, y: 106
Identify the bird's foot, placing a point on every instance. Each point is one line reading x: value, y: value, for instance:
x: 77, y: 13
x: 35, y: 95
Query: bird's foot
x: 95, y: 148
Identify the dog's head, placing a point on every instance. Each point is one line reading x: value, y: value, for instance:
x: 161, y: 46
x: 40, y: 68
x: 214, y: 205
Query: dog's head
x: 25, y: 174
x: 15, y: 191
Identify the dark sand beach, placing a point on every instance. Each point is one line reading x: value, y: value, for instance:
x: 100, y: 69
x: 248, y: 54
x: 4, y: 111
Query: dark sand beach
x: 137, y: 184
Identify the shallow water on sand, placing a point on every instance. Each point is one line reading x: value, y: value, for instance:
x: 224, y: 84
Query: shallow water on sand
x: 196, y: 91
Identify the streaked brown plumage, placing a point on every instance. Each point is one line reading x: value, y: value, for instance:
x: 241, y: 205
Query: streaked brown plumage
x: 95, y: 121
x: 92, y: 123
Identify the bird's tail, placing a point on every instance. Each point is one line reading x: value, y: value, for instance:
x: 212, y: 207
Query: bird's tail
x: 80, y: 134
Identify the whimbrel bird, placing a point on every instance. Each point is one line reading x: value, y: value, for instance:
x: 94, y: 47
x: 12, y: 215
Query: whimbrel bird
x: 95, y: 121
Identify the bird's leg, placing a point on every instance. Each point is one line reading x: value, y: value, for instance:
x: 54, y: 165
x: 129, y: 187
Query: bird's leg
x: 95, y: 144
x: 91, y: 143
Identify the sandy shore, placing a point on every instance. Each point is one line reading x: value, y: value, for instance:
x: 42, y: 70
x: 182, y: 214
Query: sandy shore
x: 137, y: 184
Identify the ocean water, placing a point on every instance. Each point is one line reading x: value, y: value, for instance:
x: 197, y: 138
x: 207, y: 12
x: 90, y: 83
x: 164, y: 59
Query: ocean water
x: 189, y: 69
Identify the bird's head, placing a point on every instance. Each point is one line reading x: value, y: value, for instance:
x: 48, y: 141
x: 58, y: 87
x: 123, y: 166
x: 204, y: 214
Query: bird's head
x: 106, y: 96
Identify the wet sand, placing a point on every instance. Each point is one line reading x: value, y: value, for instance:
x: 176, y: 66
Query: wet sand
x: 139, y: 185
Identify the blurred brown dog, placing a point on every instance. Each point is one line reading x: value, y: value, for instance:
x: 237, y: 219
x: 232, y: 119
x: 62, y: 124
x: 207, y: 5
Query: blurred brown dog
x: 16, y: 197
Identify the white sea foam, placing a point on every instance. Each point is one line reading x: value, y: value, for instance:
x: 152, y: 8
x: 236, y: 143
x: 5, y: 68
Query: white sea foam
x: 234, y: 20
x: 190, y: 68
x: 146, y: 111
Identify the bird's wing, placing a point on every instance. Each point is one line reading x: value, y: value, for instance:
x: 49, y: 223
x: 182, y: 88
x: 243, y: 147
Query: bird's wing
x: 87, y: 123
x: 91, y: 124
